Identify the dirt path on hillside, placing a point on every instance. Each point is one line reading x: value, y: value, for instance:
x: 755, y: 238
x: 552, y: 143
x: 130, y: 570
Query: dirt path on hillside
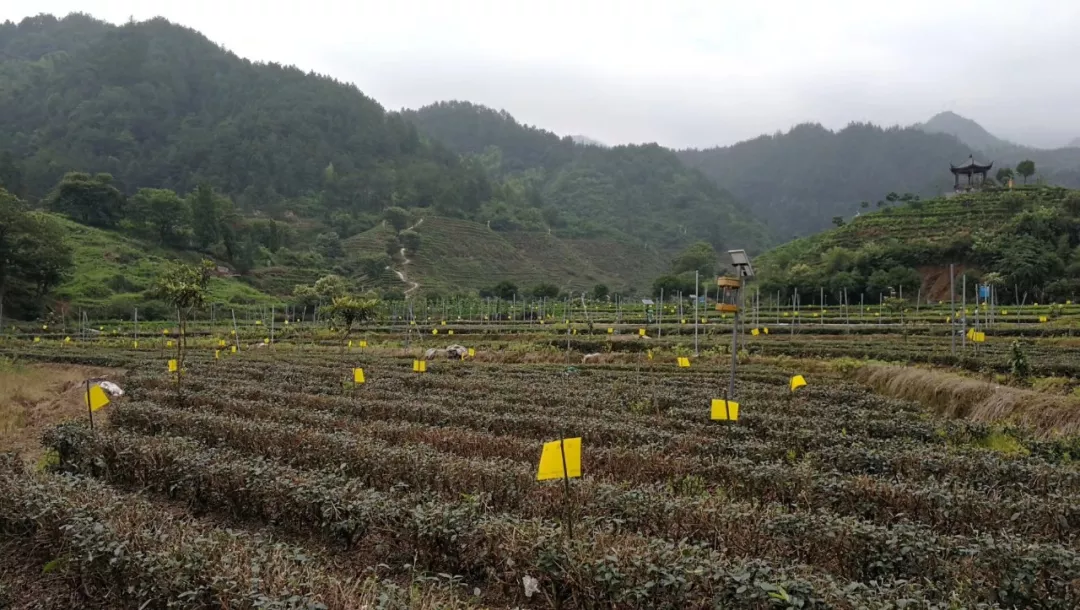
x: 405, y: 261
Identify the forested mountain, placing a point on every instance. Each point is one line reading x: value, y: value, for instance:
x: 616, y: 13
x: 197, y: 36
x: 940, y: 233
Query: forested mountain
x: 799, y: 180
x: 156, y: 104
x: 643, y: 192
x: 967, y: 131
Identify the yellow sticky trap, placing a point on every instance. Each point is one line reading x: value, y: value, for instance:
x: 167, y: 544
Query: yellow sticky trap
x: 67, y: 339
x: 979, y: 338
x: 754, y: 331
x: 684, y: 362
x: 573, y: 331
x: 948, y: 319
x: 419, y: 366
x: 96, y: 398
x: 797, y: 382
x: 552, y: 465
x: 350, y: 342
x: 37, y: 339
x: 450, y: 332
x: 443, y: 323
x: 1042, y: 318
x: 221, y: 343
x: 970, y: 334
x: 363, y: 343
x: 165, y: 331
x: 413, y: 322
x: 266, y: 340
x: 649, y: 354
x: 1036, y: 304
x: 541, y: 321
x: 683, y: 321
x: 766, y: 330
x: 217, y: 354
x: 611, y: 331
x: 172, y: 366
x: 168, y: 344
x: 258, y: 322
x: 286, y: 322
x: 44, y: 327
x: 641, y: 332
x: 233, y: 332
x: 472, y: 353
x: 232, y: 349
x: 1068, y: 302
x: 358, y: 376
x: 101, y: 328
x: 135, y: 345
x: 725, y: 410
x: 1004, y: 312
x: 434, y: 331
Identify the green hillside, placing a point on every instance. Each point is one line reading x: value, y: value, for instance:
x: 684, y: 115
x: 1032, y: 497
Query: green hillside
x: 623, y: 193
x: 460, y: 255
x: 1024, y: 240
x: 112, y: 272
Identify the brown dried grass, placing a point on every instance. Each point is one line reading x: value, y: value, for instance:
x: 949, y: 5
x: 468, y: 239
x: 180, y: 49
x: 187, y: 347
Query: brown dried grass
x: 951, y: 395
x: 35, y: 396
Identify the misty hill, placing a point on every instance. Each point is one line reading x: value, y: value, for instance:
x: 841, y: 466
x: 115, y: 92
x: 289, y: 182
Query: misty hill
x: 643, y: 192
x: 966, y: 130
x: 1026, y: 237
x: 1074, y: 143
x: 1056, y: 166
x: 797, y: 181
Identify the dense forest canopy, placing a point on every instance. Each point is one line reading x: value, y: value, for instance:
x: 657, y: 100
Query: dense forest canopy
x: 640, y: 191
x: 158, y: 105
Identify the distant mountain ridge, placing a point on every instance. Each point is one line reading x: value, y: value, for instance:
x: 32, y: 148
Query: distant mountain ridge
x: 966, y: 130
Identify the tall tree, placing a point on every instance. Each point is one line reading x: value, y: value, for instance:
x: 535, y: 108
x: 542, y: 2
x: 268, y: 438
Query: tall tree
x: 163, y: 213
x: 33, y: 256
x: 1026, y: 169
x: 92, y: 200
x: 699, y: 256
x: 206, y: 215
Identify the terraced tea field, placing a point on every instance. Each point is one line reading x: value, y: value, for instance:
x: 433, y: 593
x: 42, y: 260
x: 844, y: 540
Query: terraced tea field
x: 273, y: 481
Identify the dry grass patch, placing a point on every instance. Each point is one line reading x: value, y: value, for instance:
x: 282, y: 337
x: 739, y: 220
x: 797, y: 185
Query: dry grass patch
x: 35, y: 396
x: 954, y: 396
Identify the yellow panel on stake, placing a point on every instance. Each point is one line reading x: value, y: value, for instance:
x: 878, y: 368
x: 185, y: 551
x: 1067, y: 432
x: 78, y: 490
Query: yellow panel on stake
x: 363, y: 343
x: 765, y: 330
x: 684, y: 362
x: 217, y: 354
x: 419, y: 366
x: 358, y: 376
x: 221, y: 343
x: 232, y: 349
x: 96, y: 398
x: 434, y: 331
x: 611, y: 331
x: 450, y: 332
x: 37, y: 339
x: 172, y: 366
x: 472, y: 352
x: 797, y: 382
x: 168, y: 343
x: 551, y: 460
x: 724, y: 410
x: 641, y: 332
x: 67, y: 339
x: 1042, y: 318
x: 979, y: 337
x: 754, y: 331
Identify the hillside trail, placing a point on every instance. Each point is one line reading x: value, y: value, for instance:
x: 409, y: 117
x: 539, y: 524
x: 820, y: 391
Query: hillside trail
x: 405, y: 261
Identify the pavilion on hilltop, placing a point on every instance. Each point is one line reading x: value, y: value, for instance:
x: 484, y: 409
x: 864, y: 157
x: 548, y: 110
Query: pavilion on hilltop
x: 969, y: 168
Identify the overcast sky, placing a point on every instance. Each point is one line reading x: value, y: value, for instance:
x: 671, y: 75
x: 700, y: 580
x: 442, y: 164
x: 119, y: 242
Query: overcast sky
x: 679, y: 73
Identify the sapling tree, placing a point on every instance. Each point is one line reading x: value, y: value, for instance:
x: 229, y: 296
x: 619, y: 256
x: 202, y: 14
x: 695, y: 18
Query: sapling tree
x: 347, y: 311
x: 184, y: 287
